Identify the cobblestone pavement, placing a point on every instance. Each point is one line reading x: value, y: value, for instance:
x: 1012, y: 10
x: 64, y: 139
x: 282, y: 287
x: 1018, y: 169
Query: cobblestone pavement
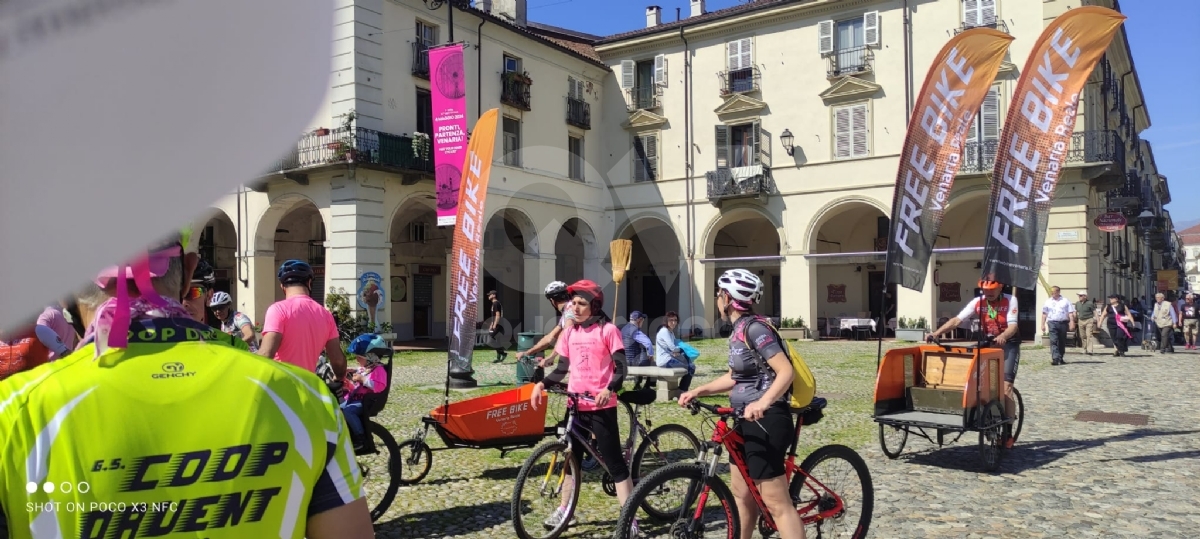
x: 1065, y: 478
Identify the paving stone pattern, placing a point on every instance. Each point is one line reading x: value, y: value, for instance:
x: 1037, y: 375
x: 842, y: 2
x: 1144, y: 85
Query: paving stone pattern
x: 1064, y: 478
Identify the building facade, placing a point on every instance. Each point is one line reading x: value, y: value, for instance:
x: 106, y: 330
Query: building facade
x: 763, y: 136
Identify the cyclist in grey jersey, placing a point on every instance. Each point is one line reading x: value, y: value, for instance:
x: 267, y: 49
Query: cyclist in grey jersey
x: 751, y: 375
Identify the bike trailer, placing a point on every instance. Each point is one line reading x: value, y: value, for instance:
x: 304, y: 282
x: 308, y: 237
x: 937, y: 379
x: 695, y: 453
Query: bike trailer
x: 504, y: 418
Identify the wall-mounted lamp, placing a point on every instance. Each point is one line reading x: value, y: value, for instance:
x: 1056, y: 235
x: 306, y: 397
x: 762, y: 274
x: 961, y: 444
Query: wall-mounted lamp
x: 979, y: 265
x: 938, y: 263
x: 788, y: 140
x: 858, y: 269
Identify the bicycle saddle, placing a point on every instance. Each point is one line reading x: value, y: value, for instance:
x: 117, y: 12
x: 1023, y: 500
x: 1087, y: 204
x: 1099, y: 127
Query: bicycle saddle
x: 638, y: 397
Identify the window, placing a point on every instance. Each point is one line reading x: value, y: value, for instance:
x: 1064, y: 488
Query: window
x: 645, y: 158
x: 850, y: 131
x: 512, y: 64
x: 848, y: 40
x: 984, y: 135
x: 512, y: 142
x: 418, y: 232
x: 424, y: 112
x: 426, y: 34
x: 740, y: 60
x: 575, y: 164
x: 574, y: 88
x: 739, y: 145
x: 979, y: 13
x: 641, y: 80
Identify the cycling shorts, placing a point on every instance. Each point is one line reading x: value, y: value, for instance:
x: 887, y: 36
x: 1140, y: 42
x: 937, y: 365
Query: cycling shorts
x: 767, y: 442
x: 603, y: 424
x: 1012, y: 357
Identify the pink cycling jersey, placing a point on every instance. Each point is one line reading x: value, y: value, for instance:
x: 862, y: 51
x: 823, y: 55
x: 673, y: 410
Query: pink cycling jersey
x: 305, y: 326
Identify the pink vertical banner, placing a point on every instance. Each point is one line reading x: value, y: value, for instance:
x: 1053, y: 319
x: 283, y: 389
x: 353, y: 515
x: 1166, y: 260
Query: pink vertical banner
x: 449, y: 127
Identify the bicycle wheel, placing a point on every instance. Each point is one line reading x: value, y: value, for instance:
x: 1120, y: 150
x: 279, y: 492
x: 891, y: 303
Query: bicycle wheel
x: 542, y: 478
x: 892, y: 440
x: 835, y: 470
x: 381, y: 471
x: 665, y: 445
x: 1016, y: 430
x: 417, y: 458
x: 718, y: 513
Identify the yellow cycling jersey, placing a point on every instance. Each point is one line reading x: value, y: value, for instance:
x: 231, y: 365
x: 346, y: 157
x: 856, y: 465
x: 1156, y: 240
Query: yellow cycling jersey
x: 177, y: 435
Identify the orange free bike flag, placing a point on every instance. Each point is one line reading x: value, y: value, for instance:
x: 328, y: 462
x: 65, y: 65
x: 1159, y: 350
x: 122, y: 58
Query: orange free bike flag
x: 465, y: 253
x: 1035, y: 141
x: 954, y: 89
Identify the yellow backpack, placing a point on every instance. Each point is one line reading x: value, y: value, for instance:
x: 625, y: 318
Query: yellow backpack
x: 804, y: 385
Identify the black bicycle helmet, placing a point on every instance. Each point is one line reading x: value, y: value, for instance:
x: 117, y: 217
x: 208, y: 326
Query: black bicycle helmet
x: 295, y: 272
x: 204, y: 274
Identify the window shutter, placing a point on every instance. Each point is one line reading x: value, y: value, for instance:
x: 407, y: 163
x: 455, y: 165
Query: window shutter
x: 571, y: 88
x: 722, y: 144
x: 747, y: 54
x: 970, y: 13
x: 871, y: 28
x: 987, y: 12
x: 973, y: 132
x: 825, y: 37
x: 660, y: 70
x: 991, y: 114
x: 858, y: 120
x: 841, y: 132
x: 652, y: 157
x: 734, y: 55
x: 762, y: 145
x: 628, y: 69
x: 639, y: 160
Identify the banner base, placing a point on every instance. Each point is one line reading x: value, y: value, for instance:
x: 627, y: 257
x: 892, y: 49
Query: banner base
x: 462, y: 380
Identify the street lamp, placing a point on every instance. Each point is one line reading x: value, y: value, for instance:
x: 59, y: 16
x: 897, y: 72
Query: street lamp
x: 787, y: 139
x: 434, y: 5
x: 1146, y: 221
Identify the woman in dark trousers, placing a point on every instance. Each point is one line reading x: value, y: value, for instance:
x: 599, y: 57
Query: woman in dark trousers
x: 1119, y: 322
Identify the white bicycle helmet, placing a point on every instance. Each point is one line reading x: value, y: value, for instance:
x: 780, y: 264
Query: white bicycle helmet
x: 741, y: 285
x: 220, y: 298
x: 556, y: 289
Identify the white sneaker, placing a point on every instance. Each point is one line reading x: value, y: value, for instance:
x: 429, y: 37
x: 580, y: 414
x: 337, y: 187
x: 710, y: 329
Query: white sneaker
x: 556, y: 518
x: 634, y: 531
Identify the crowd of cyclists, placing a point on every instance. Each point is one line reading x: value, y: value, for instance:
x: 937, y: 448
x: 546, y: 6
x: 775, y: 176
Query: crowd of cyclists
x: 151, y: 396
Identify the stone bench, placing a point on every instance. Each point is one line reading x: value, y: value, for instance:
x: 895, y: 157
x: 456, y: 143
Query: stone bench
x: 667, y: 391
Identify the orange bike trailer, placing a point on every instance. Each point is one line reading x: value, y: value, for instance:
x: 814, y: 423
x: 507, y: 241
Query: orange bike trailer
x: 491, y: 420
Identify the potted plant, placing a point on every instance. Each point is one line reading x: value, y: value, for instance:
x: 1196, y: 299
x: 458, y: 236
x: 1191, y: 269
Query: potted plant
x: 343, y: 148
x: 793, y: 328
x: 420, y: 145
x: 912, y: 329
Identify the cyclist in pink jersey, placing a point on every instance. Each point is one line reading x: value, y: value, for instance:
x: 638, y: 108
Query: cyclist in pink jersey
x: 308, y: 325
x: 594, y: 353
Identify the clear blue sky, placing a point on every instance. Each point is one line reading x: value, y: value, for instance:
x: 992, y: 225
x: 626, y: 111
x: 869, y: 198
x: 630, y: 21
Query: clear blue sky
x: 1162, y: 35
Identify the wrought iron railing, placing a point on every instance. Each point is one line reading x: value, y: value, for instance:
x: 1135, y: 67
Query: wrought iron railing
x: 579, y: 113
x: 356, y: 145
x: 737, y: 81
x: 1086, y: 147
x: 996, y: 25
x: 643, y: 97
x: 851, y: 61
x: 514, y: 90
x: 420, y: 60
x: 722, y: 184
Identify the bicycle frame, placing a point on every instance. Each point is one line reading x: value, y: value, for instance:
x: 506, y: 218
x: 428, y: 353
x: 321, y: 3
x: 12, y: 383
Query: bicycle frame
x: 727, y: 437
x: 570, y: 434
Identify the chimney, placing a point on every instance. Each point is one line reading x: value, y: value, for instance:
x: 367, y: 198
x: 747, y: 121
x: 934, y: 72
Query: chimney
x: 653, y: 16
x: 484, y: 5
x: 511, y: 10
x: 697, y: 8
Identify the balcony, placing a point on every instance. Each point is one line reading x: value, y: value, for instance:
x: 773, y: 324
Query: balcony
x: 514, y: 90
x: 354, y: 146
x: 579, y: 113
x: 739, y: 81
x: 642, y: 98
x: 995, y: 25
x: 420, y: 60
x: 852, y: 61
x: 740, y: 182
x: 1090, y: 148
x: 1128, y: 196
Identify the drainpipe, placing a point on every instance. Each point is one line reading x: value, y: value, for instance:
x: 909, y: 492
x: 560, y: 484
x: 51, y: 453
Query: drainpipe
x: 479, y: 68
x: 908, y: 105
x: 688, y: 157
x: 241, y: 254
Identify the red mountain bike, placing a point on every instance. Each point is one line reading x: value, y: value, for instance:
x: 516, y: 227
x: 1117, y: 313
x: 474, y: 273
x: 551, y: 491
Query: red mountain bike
x: 827, y: 510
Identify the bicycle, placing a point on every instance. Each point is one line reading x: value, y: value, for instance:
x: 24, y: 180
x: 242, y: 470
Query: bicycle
x: 821, y: 506
x: 561, y: 464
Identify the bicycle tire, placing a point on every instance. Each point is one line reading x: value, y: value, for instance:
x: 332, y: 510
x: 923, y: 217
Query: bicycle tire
x: 394, y: 470
x: 679, y: 470
x: 518, y: 519
x: 842, y: 452
x: 420, y: 459
x: 1016, y: 431
x: 883, y: 444
x: 635, y: 467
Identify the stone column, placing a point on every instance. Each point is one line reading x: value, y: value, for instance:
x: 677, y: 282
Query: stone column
x: 798, y: 280
x: 258, y: 267
x: 916, y: 304
x: 703, y: 314
x: 356, y: 243
x: 540, y: 270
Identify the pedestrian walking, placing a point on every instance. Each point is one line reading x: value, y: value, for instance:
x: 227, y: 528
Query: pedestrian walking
x: 1059, y: 315
x: 1191, y: 321
x: 496, y: 329
x: 1085, y: 322
x: 1165, y: 318
x: 1118, y: 320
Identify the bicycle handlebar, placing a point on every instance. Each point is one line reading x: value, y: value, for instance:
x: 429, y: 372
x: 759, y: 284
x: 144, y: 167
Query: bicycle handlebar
x: 695, y: 406
x: 587, y: 395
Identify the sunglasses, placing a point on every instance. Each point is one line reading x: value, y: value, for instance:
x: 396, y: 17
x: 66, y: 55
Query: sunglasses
x: 195, y: 292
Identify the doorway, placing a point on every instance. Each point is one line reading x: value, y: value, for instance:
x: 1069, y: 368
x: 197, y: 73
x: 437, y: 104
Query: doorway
x: 1026, y: 314
x: 654, y: 298
x: 875, y: 287
x: 422, y: 306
